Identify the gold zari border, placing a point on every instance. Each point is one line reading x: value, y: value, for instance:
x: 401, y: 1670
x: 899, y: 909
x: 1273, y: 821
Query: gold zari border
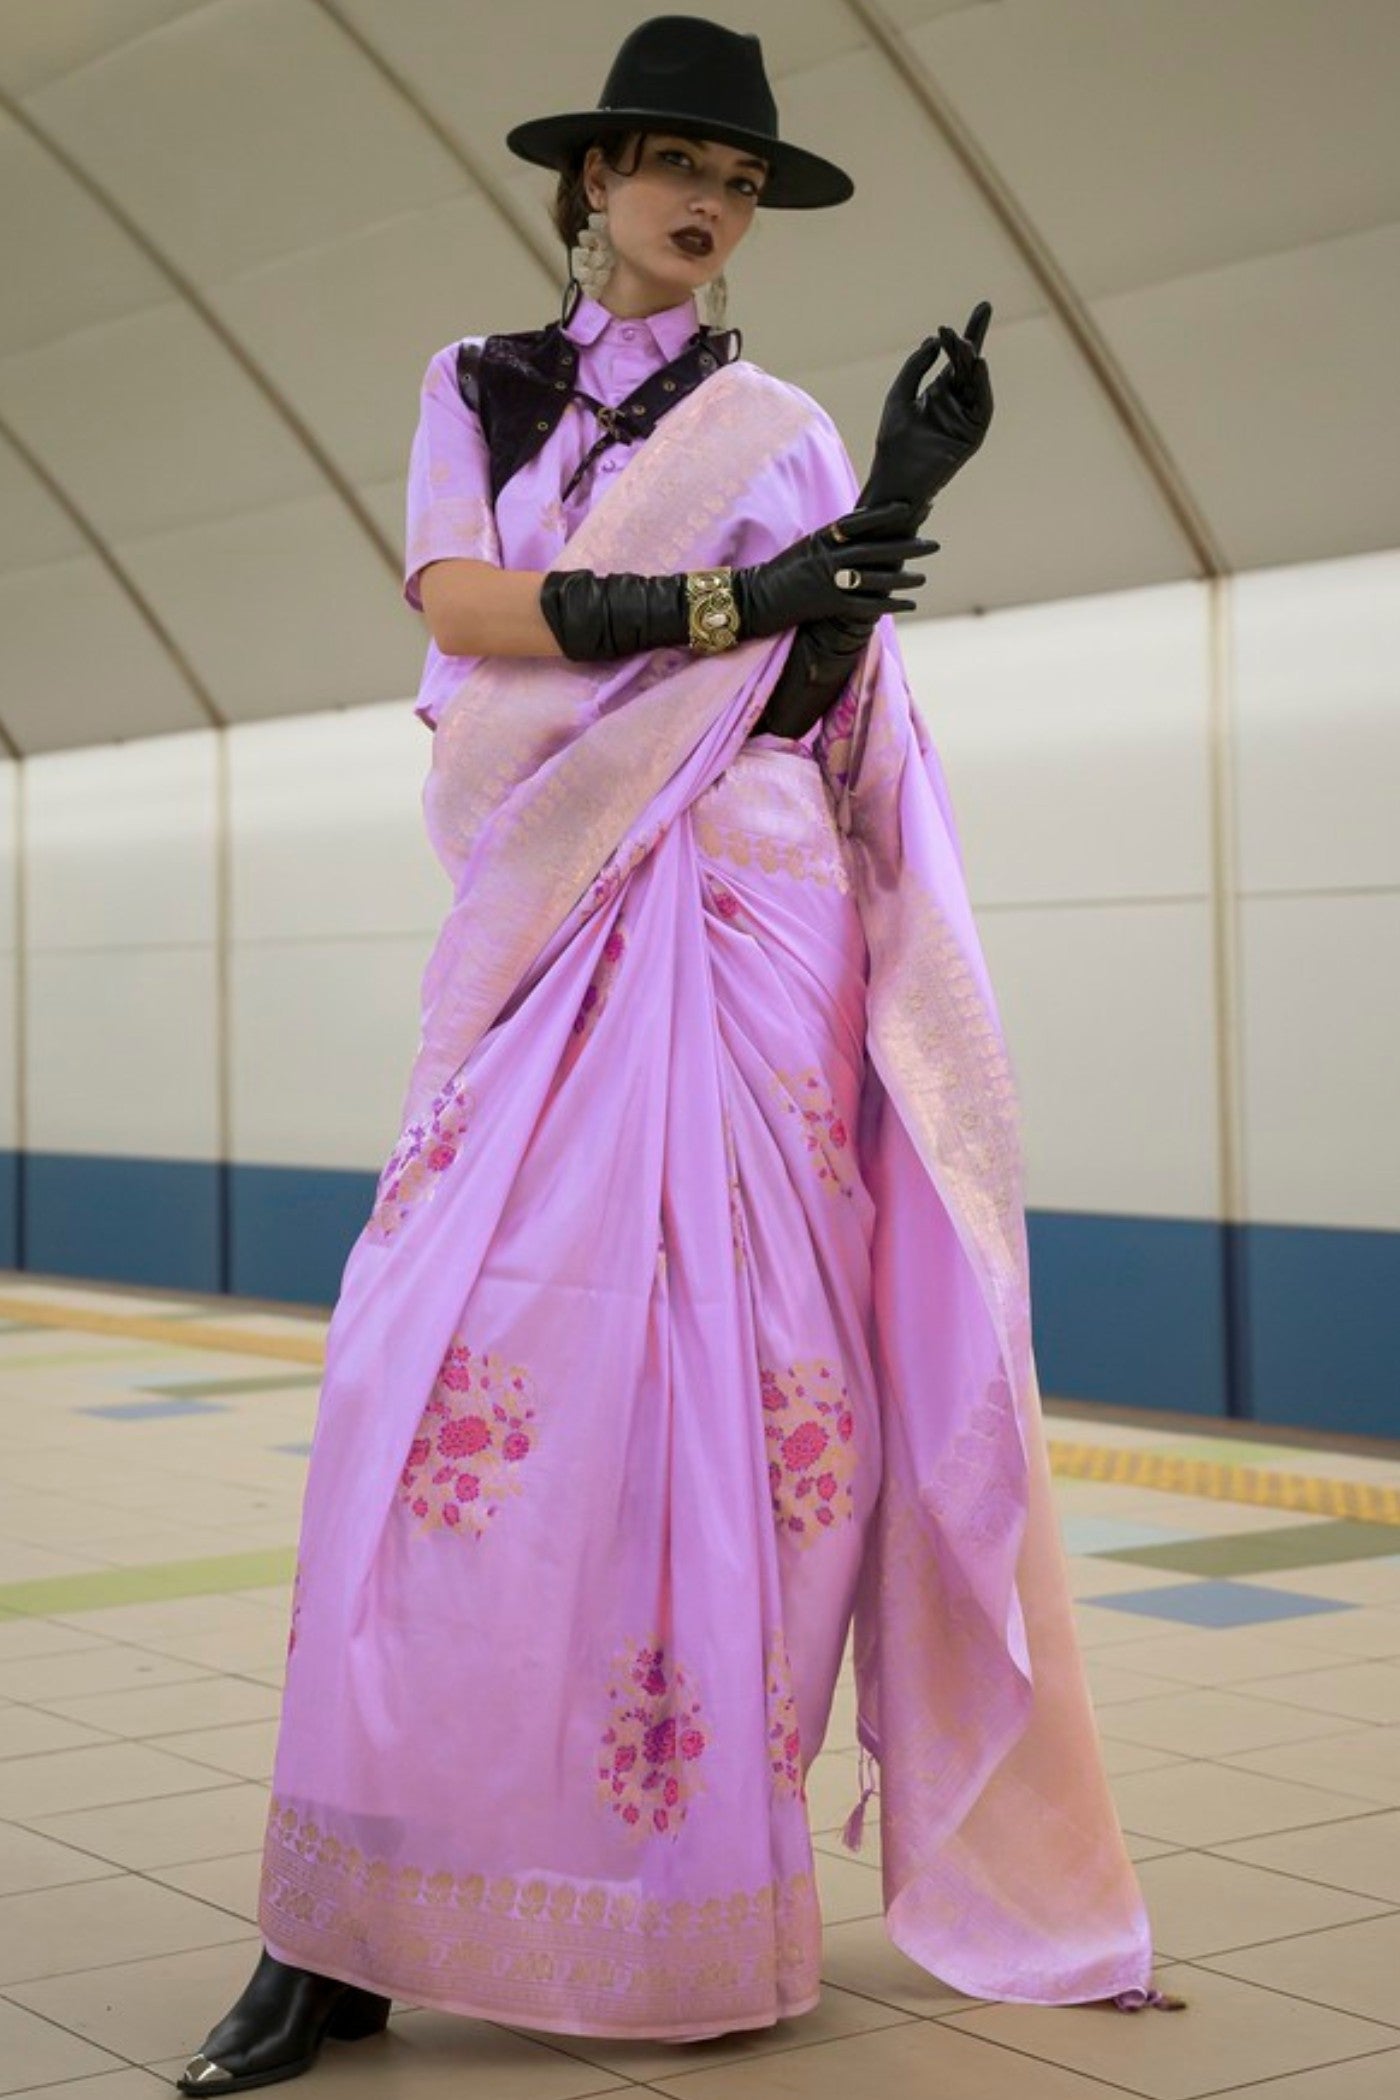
x: 546, y: 1948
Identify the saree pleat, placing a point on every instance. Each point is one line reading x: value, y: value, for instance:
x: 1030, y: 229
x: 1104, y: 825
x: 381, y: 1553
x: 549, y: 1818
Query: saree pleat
x: 689, y: 1327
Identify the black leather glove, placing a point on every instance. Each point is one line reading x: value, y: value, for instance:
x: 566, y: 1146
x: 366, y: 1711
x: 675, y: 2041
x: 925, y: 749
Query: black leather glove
x: 595, y: 616
x: 821, y: 659
x: 925, y: 438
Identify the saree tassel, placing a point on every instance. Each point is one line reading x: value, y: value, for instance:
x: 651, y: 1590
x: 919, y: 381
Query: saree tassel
x: 1139, y: 2001
x: 853, y: 1830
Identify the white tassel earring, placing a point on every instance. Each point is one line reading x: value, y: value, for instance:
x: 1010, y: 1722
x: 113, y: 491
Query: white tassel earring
x: 712, y: 300
x: 593, y: 257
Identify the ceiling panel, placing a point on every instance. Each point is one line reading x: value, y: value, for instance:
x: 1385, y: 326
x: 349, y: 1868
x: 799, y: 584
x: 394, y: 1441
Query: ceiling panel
x: 40, y: 41
x: 1151, y: 138
x: 344, y: 332
x: 78, y: 665
x: 64, y: 262
x: 282, y: 611
x: 150, y: 422
x: 1273, y: 383
x: 247, y: 130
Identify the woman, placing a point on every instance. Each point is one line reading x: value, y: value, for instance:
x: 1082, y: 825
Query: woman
x: 690, y: 1320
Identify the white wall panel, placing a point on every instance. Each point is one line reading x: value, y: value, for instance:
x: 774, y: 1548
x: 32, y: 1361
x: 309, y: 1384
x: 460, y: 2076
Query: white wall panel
x: 1321, y: 999
x: 121, y: 845
x: 327, y: 827
x: 1108, y: 1016
x: 323, y: 1040
x: 121, y: 1053
x: 1074, y: 737
x: 1317, y: 704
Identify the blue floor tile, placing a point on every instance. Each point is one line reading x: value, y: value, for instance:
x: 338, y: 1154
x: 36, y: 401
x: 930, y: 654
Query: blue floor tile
x: 294, y: 1450
x: 1218, y: 1603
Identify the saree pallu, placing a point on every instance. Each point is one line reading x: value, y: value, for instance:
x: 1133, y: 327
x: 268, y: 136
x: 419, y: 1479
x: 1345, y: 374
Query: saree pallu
x: 690, y: 1326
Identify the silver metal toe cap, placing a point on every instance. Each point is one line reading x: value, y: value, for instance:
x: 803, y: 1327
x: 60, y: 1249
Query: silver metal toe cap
x: 203, y: 2072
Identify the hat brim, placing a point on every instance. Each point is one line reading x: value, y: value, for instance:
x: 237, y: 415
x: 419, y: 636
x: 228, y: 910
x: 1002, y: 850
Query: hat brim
x: 797, y: 180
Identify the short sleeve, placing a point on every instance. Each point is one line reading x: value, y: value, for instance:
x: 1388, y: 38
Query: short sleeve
x: 448, y: 507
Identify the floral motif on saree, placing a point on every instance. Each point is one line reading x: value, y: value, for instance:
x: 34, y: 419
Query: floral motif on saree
x: 595, y: 998
x: 476, y: 1429
x: 809, y: 1427
x: 807, y: 1096
x: 784, y: 1741
x: 650, y: 1750
x: 425, y: 1151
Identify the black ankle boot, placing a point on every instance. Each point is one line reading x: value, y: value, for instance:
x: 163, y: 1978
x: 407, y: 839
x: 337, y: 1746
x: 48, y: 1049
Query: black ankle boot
x: 276, y: 2029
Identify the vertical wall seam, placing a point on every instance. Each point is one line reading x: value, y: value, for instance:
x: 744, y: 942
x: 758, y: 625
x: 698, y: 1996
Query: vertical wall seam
x: 223, y: 1009
x: 1226, y: 1001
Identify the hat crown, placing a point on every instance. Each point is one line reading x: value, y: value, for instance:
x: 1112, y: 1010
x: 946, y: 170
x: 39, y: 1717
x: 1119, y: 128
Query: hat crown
x: 685, y: 64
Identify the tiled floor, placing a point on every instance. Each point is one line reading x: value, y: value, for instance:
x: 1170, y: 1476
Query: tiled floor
x: 1239, y: 1606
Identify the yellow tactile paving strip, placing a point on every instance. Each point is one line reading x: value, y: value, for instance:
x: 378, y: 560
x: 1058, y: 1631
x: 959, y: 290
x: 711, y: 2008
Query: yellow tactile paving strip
x: 1131, y: 1465
x: 1364, y: 1501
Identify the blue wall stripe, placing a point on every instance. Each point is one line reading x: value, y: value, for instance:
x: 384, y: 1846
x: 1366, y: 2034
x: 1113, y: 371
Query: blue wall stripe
x: 1129, y: 1311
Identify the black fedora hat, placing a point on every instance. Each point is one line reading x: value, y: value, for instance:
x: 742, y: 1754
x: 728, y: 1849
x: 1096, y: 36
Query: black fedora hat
x: 682, y: 73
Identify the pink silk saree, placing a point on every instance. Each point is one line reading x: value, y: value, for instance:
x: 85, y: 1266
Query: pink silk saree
x: 690, y: 1324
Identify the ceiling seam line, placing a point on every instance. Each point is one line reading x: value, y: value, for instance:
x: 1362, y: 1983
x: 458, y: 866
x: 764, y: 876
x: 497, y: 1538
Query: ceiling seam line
x: 539, y: 249
x: 190, y: 293
x: 1055, y: 285
x: 119, y: 574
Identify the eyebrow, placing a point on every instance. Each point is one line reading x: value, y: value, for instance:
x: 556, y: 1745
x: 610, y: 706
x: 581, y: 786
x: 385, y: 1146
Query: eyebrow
x: 746, y: 160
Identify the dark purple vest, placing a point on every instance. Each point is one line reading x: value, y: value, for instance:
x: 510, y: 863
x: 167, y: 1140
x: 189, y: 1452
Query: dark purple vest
x: 519, y: 385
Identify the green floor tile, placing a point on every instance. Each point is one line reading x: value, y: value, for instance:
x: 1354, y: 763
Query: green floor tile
x: 1260, y: 1552
x: 149, y: 1585
x: 211, y: 1388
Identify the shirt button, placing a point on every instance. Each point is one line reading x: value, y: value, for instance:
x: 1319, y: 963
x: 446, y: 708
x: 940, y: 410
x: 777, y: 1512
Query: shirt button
x: 627, y: 334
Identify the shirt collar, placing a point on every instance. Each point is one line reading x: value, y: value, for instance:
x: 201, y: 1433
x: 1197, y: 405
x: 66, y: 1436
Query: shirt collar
x: 670, y: 329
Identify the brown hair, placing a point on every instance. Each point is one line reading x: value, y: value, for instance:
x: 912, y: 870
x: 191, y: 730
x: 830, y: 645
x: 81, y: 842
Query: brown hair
x: 570, y: 208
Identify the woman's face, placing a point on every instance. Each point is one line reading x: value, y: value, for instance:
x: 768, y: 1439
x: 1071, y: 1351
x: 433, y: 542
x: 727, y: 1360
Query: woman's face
x: 679, y: 182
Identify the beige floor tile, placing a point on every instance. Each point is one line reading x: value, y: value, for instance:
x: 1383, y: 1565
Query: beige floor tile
x: 1200, y: 1904
x: 1363, y: 1855
x: 1230, y: 1655
x: 1353, y: 1968
x: 30, y: 1860
x: 1211, y: 1723
x: 1140, y: 1848
x: 246, y: 1750
x: 163, y: 1832
x: 232, y: 1651
x: 436, y: 2056
x: 847, y: 1887
x: 21, y: 1563
x: 1364, y: 2078
x: 24, y: 1637
x: 230, y: 1883
x: 1090, y: 1578
x: 840, y: 2013
x: 1230, y: 2031
x: 1114, y: 1678
x: 1358, y: 1691
x: 833, y: 1788
x: 1096, y: 1626
x: 1349, y: 1581
x: 54, y: 1931
x: 1368, y: 1630
x: 172, y: 1616
x: 42, y: 1786
x: 108, y: 2085
x: 917, y: 2060
x: 1202, y: 1804
x: 167, y: 1709
x: 26, y: 1730
x: 35, y: 2053
x: 36, y: 1679
x: 860, y: 1956
x: 1131, y: 1757
x: 1364, y: 1761
x: 144, y: 2010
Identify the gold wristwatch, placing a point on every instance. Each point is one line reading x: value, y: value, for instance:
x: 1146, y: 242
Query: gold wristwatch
x: 714, y: 617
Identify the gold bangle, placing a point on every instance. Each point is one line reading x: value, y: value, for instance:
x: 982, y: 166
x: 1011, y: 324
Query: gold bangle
x: 714, y: 617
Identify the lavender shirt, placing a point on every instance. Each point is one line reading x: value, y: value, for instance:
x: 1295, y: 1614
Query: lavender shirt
x: 449, y: 508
